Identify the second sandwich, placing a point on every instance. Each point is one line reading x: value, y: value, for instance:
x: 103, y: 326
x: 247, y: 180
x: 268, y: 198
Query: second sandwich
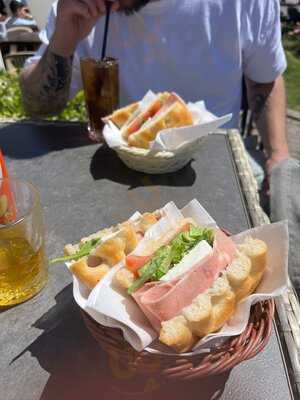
x: 140, y: 126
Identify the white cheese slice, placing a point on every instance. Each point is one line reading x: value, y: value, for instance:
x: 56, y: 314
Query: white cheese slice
x: 201, y: 250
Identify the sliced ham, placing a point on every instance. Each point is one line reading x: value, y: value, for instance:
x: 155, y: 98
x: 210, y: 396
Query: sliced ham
x: 163, y: 301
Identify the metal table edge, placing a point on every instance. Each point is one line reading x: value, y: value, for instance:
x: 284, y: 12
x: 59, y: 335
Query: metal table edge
x: 280, y: 339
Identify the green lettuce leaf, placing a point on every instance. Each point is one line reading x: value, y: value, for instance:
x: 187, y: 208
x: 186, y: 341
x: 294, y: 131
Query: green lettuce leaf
x: 168, y: 256
x: 163, y: 261
x: 154, y: 269
x: 185, y: 241
x: 199, y: 233
x: 84, y: 250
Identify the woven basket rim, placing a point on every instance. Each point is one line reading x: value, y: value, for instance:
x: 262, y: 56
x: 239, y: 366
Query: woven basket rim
x: 144, y: 153
x: 184, y: 150
x: 219, y: 359
x: 190, y: 354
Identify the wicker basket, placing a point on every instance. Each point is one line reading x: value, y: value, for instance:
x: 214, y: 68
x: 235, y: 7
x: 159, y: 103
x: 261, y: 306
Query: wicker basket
x: 159, y: 162
x: 189, y: 366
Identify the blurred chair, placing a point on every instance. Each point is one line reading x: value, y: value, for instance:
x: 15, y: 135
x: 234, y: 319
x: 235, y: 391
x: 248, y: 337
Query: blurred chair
x: 15, y: 61
x: 19, y: 29
x: 12, y: 33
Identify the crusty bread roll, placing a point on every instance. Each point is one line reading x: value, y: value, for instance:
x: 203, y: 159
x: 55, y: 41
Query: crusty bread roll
x: 210, y: 310
x: 256, y: 250
x: 70, y: 249
x: 175, y: 116
x: 214, y: 308
x: 123, y: 240
x: 238, y: 273
x: 223, y: 307
x: 141, y: 225
x: 146, y: 221
x: 112, y: 251
x: 128, y: 235
x: 123, y: 278
x: 90, y: 276
x: 121, y: 116
x: 176, y: 334
x: 198, y: 314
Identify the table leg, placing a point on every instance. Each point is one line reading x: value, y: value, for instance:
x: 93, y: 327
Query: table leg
x: 2, y: 65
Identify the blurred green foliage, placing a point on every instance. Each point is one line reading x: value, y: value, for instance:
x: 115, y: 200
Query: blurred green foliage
x: 292, y: 81
x: 292, y: 44
x: 10, y: 97
x: 292, y: 74
x: 11, y: 102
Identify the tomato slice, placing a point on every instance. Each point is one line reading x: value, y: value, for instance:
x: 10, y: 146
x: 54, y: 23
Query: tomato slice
x: 135, y: 126
x: 134, y: 263
x: 138, y: 122
x: 186, y: 227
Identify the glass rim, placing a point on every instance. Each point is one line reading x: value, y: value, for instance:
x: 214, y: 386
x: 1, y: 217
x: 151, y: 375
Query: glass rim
x: 35, y: 201
x: 113, y: 60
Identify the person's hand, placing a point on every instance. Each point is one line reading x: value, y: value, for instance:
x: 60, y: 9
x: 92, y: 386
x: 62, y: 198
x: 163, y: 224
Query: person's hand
x: 274, y: 159
x: 75, y: 20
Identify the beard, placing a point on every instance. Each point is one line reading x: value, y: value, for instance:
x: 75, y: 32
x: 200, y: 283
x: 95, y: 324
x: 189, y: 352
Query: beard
x: 131, y: 6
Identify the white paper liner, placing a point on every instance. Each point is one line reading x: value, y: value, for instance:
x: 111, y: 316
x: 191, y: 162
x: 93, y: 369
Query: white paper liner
x: 175, y: 138
x: 111, y: 307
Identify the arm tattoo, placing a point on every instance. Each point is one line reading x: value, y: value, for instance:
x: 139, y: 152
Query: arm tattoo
x: 259, y: 98
x: 259, y: 103
x: 46, y: 90
x: 267, y: 103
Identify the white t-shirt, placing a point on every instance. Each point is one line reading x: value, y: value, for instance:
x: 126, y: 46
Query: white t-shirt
x: 197, y: 48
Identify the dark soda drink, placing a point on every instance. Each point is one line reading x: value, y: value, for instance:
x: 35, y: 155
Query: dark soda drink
x: 101, y: 90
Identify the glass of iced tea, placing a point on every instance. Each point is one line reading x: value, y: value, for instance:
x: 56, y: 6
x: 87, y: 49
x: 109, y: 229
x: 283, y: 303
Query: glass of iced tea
x: 23, y: 267
x: 100, y: 80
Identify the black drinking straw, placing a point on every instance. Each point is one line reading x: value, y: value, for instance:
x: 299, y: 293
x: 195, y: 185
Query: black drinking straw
x: 108, y: 9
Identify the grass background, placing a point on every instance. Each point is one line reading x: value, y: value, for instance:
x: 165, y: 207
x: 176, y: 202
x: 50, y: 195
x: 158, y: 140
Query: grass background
x: 292, y: 74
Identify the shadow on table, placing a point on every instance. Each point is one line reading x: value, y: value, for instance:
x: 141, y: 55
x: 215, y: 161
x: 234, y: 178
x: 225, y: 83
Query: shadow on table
x: 106, y: 164
x: 33, y: 139
x: 78, y: 369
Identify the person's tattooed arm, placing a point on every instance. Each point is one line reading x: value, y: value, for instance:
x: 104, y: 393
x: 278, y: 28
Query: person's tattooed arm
x: 267, y: 102
x: 46, y: 85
